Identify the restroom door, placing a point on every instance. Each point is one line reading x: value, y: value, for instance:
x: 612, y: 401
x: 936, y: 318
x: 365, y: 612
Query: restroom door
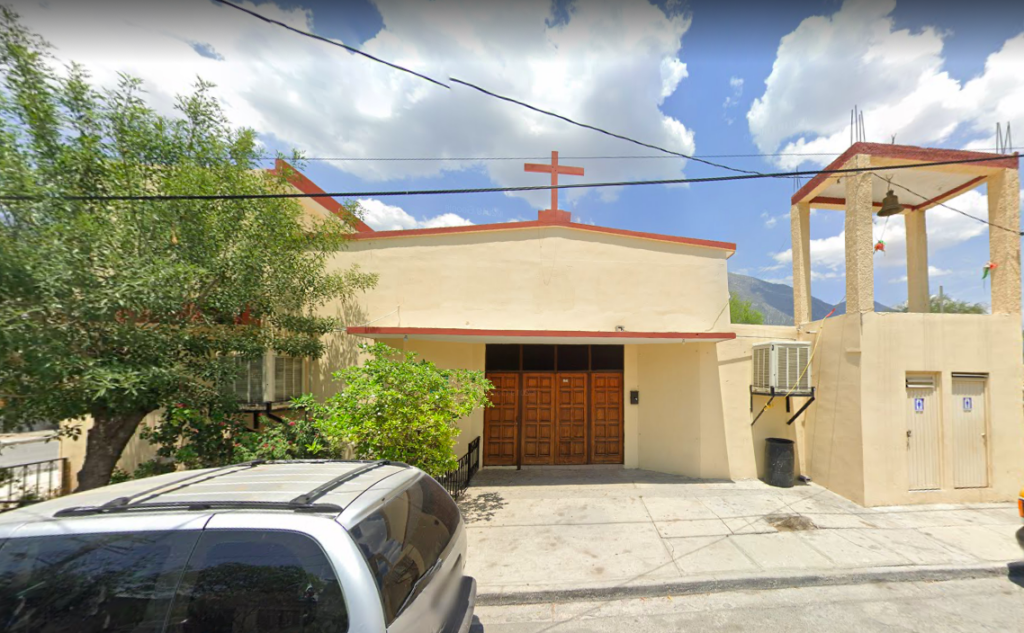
x: 970, y: 428
x: 923, y: 436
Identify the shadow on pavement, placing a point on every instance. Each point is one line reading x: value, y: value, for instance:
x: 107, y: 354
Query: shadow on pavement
x: 481, y: 507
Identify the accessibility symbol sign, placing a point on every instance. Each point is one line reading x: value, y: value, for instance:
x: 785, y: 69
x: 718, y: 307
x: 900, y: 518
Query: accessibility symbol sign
x: 918, y: 405
x: 968, y: 405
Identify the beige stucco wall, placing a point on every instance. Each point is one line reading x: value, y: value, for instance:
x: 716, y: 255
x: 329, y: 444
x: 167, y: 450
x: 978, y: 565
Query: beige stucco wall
x: 745, y: 444
x: 552, y: 278
x: 894, y: 344
x: 679, y: 427
x: 832, y: 445
x: 855, y: 432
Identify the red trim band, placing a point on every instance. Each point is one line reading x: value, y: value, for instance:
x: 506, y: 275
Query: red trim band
x: 536, y: 224
x: 305, y: 185
x: 441, y: 331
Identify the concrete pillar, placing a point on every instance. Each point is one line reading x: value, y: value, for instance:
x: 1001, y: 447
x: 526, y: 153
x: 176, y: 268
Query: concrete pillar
x: 917, y: 262
x: 1004, y: 245
x: 860, y: 273
x: 800, y: 227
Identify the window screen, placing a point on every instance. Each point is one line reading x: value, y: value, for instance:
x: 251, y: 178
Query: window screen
x: 119, y: 583
x: 249, y: 380
x: 538, y: 358
x: 403, y: 542
x: 606, y: 357
x: 287, y: 377
x: 242, y: 581
x: 502, y: 358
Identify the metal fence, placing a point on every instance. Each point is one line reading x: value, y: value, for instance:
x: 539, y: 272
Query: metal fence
x: 27, y: 483
x: 456, y: 481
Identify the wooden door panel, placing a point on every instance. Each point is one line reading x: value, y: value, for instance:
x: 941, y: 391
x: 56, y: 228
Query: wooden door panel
x: 538, y: 418
x: 501, y: 421
x: 606, y: 436
x: 571, y: 390
x: 970, y: 427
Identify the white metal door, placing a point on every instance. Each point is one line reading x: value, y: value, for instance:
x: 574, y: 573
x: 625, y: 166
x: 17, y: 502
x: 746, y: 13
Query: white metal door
x: 923, y: 437
x: 970, y: 426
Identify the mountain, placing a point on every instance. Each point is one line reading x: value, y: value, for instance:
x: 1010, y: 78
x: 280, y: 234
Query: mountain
x: 775, y: 301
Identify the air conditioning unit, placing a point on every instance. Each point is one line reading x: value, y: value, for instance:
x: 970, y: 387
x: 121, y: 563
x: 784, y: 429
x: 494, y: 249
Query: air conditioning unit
x: 781, y: 367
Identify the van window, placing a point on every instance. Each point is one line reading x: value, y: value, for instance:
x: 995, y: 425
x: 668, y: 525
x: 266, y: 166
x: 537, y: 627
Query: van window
x: 404, y: 540
x: 83, y: 583
x: 256, y: 581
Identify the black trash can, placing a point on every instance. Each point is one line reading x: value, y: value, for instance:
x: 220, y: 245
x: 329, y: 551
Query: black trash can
x: 779, y: 460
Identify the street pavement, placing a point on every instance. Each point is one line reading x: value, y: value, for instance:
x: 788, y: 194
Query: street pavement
x: 543, y: 535
x: 989, y: 604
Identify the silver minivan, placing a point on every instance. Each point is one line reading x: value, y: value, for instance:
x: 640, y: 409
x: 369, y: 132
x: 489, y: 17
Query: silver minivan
x: 259, y: 547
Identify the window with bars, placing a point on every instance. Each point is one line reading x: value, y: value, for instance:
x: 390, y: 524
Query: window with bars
x: 287, y: 377
x: 249, y: 380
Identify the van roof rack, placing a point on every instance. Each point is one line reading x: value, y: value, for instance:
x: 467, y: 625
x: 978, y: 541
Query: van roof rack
x: 302, y: 503
x: 199, y: 506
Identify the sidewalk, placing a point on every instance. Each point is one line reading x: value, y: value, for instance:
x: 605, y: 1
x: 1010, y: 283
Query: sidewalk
x: 550, y: 533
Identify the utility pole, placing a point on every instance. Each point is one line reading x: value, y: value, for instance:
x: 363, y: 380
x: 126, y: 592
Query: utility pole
x: 942, y: 302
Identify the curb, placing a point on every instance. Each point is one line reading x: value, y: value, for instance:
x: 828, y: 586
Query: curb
x: 751, y: 583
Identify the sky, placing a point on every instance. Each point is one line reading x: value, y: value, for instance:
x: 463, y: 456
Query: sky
x: 719, y: 79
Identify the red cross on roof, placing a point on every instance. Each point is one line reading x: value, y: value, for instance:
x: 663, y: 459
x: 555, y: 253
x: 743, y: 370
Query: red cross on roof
x: 554, y: 214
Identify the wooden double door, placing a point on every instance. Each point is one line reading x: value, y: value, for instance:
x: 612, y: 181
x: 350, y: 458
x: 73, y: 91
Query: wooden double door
x: 554, y: 418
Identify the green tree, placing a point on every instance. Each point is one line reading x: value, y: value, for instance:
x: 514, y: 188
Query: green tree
x: 948, y: 305
x: 113, y: 309
x: 399, y: 408
x: 741, y: 311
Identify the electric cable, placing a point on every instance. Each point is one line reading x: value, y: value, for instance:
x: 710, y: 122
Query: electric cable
x: 350, y: 49
x: 946, y: 206
x: 425, y: 192
x: 358, y: 159
x: 594, y: 128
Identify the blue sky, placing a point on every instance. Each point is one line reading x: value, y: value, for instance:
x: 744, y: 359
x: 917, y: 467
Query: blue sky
x: 701, y: 76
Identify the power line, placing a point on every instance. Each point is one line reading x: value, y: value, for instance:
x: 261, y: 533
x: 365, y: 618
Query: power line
x: 427, y: 192
x: 356, y: 159
x: 486, y: 92
x: 600, y: 130
x: 350, y: 49
x: 946, y: 206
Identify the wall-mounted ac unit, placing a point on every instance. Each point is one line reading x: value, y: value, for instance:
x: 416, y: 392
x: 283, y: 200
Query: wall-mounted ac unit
x: 781, y: 367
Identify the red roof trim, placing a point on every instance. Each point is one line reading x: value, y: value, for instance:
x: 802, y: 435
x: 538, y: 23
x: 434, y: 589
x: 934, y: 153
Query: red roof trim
x: 970, y: 184
x: 904, y: 152
x: 536, y: 224
x: 430, y: 331
x: 305, y: 185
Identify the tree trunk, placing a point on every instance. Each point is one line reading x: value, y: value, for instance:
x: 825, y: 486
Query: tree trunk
x: 105, y: 442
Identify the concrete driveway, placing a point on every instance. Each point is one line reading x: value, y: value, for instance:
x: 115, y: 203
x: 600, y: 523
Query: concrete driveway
x: 550, y: 529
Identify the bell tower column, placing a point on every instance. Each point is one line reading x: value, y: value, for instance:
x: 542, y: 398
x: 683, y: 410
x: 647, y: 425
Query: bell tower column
x: 1004, y: 245
x: 860, y: 273
x: 800, y: 224
x: 917, y: 262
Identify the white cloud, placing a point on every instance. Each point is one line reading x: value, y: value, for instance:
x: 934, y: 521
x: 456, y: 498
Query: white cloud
x: 770, y: 221
x: 933, y: 271
x: 732, y: 100
x: 612, y: 64
x: 386, y: 217
x: 856, y: 56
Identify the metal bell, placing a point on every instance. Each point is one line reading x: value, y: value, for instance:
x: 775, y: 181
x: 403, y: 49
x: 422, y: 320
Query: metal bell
x: 890, y: 205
